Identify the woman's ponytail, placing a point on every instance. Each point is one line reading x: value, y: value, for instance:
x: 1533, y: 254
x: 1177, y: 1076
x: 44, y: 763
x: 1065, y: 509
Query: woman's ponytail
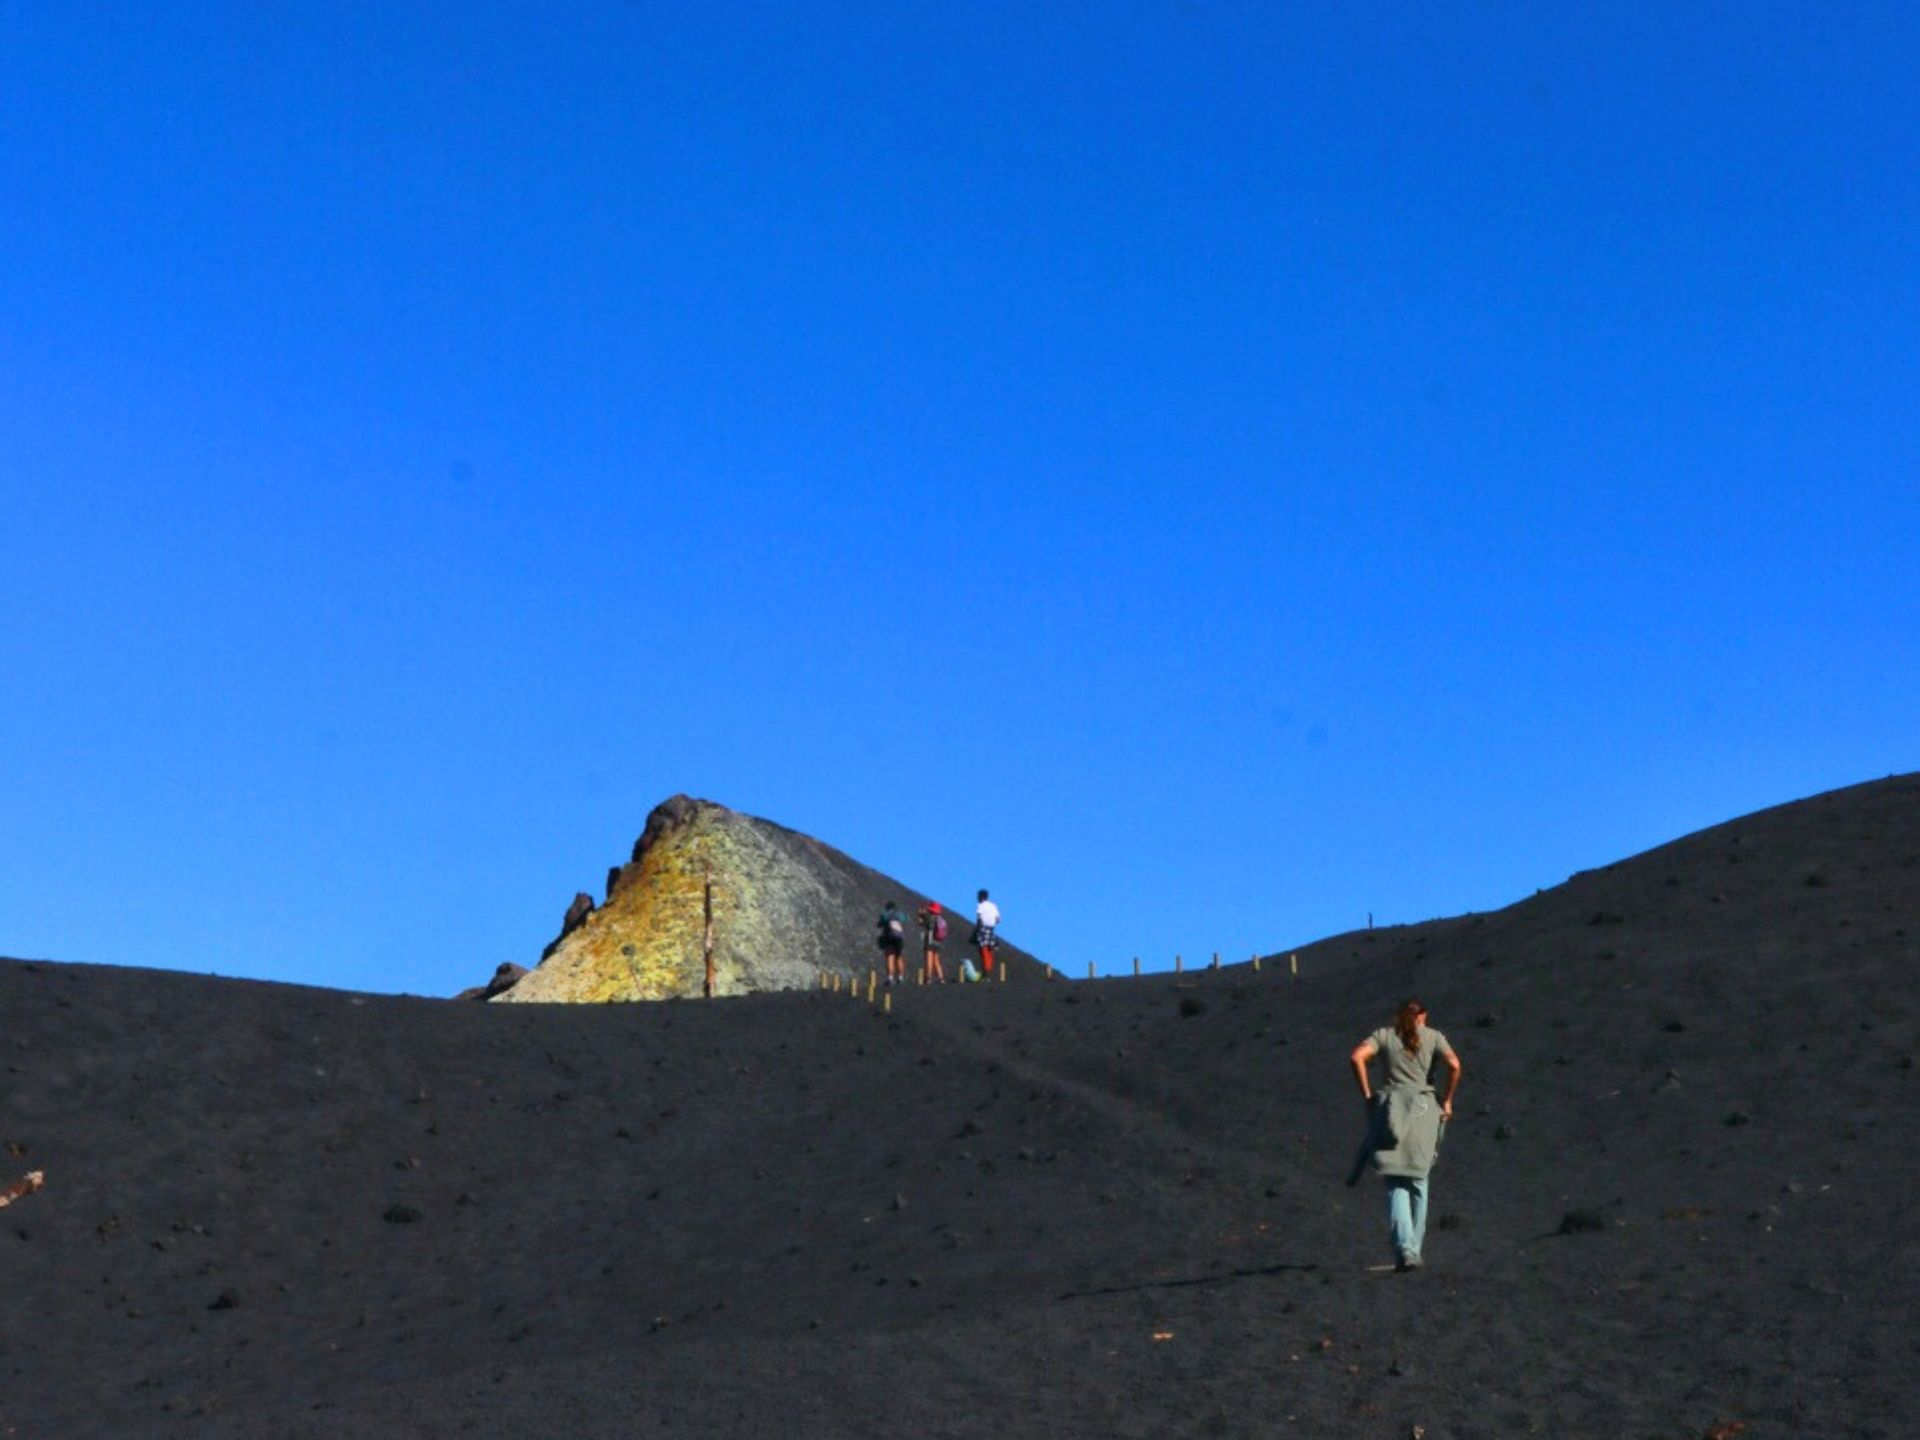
x: 1406, y: 1021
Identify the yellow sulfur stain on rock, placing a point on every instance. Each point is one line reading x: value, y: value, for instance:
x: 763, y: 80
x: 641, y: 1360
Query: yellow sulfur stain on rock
x: 773, y: 892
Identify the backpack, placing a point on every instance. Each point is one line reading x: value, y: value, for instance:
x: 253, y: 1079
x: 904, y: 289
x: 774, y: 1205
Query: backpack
x: 896, y: 928
x: 939, y: 929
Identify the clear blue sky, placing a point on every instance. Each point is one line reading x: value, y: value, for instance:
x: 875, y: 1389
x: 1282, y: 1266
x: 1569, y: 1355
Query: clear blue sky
x: 1208, y: 470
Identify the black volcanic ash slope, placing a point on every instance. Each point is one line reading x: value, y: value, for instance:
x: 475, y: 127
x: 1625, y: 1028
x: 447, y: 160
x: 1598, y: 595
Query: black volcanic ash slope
x: 1030, y: 1209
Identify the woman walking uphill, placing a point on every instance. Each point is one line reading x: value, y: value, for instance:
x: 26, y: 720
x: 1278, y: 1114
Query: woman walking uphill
x: 933, y: 934
x: 1405, y: 1120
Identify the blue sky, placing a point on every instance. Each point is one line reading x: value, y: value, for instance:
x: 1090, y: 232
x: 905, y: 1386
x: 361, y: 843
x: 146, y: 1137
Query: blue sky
x: 1207, y: 470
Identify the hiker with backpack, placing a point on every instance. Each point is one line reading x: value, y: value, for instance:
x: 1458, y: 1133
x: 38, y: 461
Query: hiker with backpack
x: 986, y: 915
x: 933, y: 934
x: 893, y: 943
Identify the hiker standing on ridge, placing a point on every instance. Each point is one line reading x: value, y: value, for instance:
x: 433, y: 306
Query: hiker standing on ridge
x: 893, y: 943
x: 933, y: 933
x: 1405, y: 1121
x: 986, y: 915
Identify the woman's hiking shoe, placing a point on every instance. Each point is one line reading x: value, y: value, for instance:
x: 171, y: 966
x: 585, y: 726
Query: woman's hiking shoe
x: 1409, y: 1262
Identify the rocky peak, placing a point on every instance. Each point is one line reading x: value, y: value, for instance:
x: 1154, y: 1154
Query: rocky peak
x: 783, y: 908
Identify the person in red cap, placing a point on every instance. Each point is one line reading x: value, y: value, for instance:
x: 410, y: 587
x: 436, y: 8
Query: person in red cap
x: 933, y: 930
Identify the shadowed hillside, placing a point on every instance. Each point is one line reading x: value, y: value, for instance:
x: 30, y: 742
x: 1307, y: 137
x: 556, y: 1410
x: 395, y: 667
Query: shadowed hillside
x: 784, y: 908
x: 1670, y: 1202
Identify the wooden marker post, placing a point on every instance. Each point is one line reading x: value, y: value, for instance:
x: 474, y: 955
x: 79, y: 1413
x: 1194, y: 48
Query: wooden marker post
x: 872, y: 983
x: 1176, y: 964
x: 1293, y: 962
x: 1003, y: 971
x: 706, y: 941
x: 1089, y: 969
x: 1216, y: 959
x: 1136, y: 967
x: 1256, y: 964
x: 886, y: 1003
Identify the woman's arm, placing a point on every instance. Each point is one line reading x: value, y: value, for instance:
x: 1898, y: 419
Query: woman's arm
x: 1362, y: 1053
x: 1453, y: 1083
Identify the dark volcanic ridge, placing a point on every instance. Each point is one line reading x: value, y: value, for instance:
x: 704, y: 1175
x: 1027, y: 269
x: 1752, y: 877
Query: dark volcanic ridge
x: 1109, y: 1208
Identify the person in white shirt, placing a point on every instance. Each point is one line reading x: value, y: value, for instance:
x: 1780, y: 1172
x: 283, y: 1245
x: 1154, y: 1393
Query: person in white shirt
x: 986, y: 915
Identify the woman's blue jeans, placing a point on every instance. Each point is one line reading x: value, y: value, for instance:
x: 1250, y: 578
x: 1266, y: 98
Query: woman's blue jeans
x: 1406, y: 1214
